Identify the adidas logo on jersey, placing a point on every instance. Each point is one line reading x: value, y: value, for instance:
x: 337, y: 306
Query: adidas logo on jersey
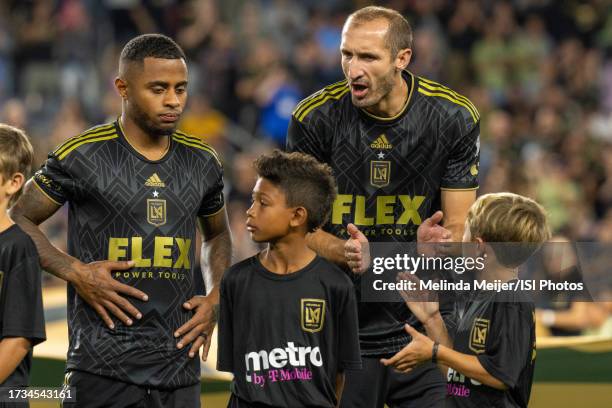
x: 381, y: 142
x: 154, y: 181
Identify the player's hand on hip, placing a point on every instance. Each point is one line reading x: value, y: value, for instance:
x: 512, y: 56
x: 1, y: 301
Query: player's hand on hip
x: 199, y: 329
x: 356, y: 250
x: 95, y: 284
x: 418, y: 351
x: 430, y: 232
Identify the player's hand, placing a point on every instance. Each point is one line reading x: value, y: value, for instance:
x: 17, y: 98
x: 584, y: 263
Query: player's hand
x: 431, y: 232
x: 199, y: 329
x: 419, y: 350
x: 356, y: 250
x: 95, y: 284
x: 423, y: 304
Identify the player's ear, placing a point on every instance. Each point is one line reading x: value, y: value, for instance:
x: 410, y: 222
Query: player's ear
x: 300, y: 216
x: 121, y: 86
x: 403, y: 58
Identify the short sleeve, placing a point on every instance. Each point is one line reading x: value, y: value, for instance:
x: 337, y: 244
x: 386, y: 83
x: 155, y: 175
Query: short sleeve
x: 510, y: 343
x: 302, y: 138
x: 350, y: 354
x: 213, y: 201
x: 22, y: 308
x: 462, y: 166
x: 55, y: 181
x: 225, y: 331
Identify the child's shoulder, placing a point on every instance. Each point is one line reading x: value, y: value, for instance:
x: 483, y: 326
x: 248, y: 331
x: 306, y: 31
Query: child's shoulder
x: 16, y: 239
x: 239, y: 268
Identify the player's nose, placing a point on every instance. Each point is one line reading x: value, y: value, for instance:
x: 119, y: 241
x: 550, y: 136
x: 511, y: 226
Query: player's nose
x: 354, y: 71
x: 172, y: 100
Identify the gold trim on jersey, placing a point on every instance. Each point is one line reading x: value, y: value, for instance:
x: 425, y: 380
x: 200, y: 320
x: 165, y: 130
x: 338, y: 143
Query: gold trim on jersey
x: 458, y: 189
x: 96, y: 129
x: 317, y: 96
x: 401, y: 112
x: 319, y: 100
x: 431, y: 88
x: 67, y: 147
x: 91, y: 139
x: 213, y: 214
x: 196, y: 142
x: 45, y: 193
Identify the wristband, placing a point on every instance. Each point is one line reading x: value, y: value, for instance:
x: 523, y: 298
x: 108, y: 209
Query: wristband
x: 548, y: 318
x: 434, y: 353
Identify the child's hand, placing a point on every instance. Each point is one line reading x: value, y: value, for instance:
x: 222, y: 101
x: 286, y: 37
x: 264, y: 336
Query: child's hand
x: 419, y: 350
x: 422, y: 303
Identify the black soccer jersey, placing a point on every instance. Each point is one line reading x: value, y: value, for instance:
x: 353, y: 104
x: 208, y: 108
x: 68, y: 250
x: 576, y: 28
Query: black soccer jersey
x: 285, y: 337
x: 123, y: 206
x: 389, y: 172
x: 498, y: 328
x: 21, y: 309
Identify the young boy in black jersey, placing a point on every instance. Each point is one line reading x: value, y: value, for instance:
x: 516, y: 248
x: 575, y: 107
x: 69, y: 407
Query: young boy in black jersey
x: 21, y: 313
x: 288, y: 318
x: 490, y: 359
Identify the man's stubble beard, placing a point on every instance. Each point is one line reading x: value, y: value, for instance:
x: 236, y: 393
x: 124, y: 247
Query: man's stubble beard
x: 143, y: 121
x: 384, y: 88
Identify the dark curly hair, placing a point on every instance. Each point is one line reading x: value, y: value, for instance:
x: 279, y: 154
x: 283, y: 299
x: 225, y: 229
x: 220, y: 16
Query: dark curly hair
x: 305, y: 181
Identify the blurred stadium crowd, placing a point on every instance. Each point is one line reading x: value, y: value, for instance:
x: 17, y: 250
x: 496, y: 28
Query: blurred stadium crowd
x: 539, y: 71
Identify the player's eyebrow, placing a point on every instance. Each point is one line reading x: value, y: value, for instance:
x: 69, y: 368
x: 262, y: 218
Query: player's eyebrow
x: 165, y: 84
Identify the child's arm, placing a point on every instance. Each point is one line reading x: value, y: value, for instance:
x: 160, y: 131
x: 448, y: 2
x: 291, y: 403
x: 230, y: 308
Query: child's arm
x: 340, y: 378
x: 469, y: 366
x: 420, y: 350
x: 12, y: 351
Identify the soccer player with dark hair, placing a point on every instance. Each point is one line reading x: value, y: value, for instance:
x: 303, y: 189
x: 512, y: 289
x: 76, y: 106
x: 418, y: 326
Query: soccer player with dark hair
x: 288, y: 318
x: 401, y: 147
x: 136, y: 190
x: 22, y: 323
x: 490, y: 360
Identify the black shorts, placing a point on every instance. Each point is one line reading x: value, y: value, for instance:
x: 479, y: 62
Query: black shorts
x: 93, y: 391
x: 376, y: 385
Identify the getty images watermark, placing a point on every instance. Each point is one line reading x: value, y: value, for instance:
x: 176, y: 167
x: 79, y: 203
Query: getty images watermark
x: 548, y: 272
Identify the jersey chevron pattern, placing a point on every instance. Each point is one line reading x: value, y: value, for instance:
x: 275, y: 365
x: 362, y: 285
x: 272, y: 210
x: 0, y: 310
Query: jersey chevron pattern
x: 123, y: 206
x: 390, y: 171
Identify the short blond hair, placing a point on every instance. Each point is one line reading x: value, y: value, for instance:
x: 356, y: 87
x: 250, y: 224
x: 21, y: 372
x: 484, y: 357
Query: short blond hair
x: 399, y: 32
x: 16, y: 152
x: 16, y: 155
x: 509, y: 218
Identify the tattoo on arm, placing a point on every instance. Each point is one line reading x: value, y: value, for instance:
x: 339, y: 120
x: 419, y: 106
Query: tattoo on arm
x: 216, y: 248
x: 32, y: 208
x: 216, y: 308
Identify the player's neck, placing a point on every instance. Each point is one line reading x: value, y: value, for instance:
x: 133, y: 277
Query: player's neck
x: 153, y: 147
x: 287, y: 255
x: 5, y: 221
x: 394, y: 102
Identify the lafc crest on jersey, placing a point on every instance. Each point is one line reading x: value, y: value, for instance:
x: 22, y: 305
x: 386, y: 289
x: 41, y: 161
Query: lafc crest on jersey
x: 313, y: 314
x: 478, y: 336
x: 380, y: 173
x: 156, y: 211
